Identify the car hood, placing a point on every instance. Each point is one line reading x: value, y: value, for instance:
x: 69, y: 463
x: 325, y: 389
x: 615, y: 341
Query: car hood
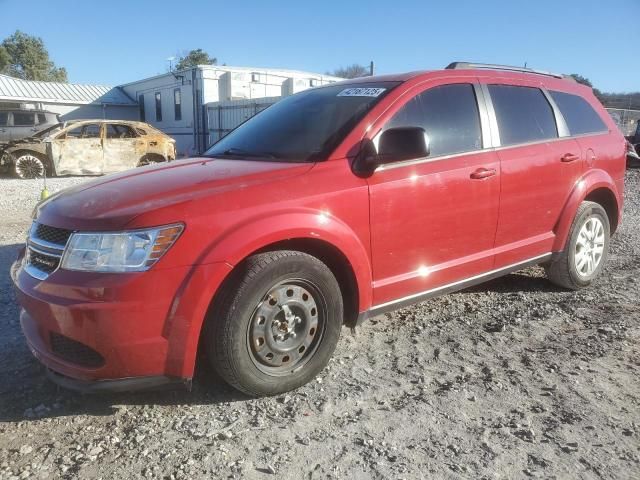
x: 25, y: 140
x: 112, y: 202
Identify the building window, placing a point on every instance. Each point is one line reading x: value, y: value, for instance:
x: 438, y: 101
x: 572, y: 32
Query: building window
x: 141, y: 107
x: 255, y: 77
x: 313, y: 82
x: 158, y: 107
x: 177, y: 104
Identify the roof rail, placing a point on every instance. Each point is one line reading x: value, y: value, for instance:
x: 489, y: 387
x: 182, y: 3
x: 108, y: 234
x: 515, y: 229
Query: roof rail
x: 489, y: 66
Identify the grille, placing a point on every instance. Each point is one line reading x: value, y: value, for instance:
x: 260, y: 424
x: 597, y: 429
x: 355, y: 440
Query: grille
x: 45, y: 248
x: 52, y: 234
x: 75, y: 352
x: 44, y: 263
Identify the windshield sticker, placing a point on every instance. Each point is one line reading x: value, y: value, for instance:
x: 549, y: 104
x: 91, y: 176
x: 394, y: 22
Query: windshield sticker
x: 361, y: 92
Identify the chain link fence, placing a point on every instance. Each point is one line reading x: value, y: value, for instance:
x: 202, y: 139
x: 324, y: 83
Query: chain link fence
x: 626, y: 119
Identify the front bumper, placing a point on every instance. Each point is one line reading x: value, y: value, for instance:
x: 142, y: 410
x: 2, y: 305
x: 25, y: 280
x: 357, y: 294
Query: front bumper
x: 119, y: 385
x: 142, y: 328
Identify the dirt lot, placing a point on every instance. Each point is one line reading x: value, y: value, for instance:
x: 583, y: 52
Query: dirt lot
x: 512, y: 379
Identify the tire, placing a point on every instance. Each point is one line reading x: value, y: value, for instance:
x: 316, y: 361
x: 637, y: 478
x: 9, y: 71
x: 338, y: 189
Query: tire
x: 275, y: 323
x: 28, y: 165
x: 568, y: 269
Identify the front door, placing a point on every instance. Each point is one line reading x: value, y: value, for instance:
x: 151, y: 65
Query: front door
x: 122, y: 148
x: 78, y: 150
x: 433, y: 220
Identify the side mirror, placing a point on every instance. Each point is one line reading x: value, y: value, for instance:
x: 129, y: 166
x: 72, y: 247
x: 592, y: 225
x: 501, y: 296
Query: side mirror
x: 394, y: 145
x: 398, y: 144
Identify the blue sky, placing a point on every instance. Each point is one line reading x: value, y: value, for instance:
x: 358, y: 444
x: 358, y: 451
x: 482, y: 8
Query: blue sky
x: 120, y: 41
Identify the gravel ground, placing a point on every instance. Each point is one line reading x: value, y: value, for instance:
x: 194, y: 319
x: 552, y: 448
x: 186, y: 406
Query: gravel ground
x: 511, y: 379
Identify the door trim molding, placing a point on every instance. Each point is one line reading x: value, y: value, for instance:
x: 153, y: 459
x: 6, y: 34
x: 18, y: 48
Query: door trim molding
x: 450, y: 287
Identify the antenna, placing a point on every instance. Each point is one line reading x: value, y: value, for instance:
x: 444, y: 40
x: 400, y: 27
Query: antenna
x: 170, y: 60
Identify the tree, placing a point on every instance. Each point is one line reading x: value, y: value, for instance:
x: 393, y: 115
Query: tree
x: 583, y: 80
x: 5, y: 59
x: 351, y: 71
x: 195, y: 57
x: 26, y: 57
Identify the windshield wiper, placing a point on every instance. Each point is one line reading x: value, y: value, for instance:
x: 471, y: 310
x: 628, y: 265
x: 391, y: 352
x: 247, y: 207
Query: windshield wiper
x: 239, y: 152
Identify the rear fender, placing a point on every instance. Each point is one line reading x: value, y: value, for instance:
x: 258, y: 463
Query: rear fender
x: 589, y: 182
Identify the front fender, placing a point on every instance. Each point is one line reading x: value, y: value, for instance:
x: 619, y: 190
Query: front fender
x: 186, y: 317
x: 240, y: 241
x: 589, y: 182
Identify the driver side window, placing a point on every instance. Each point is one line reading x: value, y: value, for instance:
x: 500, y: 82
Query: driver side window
x: 449, y: 115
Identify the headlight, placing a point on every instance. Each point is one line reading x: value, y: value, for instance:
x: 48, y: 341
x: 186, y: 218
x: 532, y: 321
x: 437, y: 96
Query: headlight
x: 133, y: 251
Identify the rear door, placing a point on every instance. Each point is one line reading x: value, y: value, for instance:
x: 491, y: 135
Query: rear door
x: 78, y: 150
x: 539, y: 166
x: 24, y: 124
x: 121, y: 147
x: 433, y: 220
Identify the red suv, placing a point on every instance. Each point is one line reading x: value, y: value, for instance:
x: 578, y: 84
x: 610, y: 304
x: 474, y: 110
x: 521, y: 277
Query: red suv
x: 331, y: 206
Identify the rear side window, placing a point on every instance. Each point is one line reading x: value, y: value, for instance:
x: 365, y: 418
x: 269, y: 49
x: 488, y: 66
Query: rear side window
x: 21, y: 119
x: 524, y: 114
x: 42, y: 118
x: 449, y: 116
x: 581, y: 118
x: 4, y: 119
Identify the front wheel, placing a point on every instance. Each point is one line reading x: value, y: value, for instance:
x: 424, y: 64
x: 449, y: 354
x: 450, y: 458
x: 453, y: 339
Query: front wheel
x: 29, y: 165
x: 275, y: 323
x: 586, y: 251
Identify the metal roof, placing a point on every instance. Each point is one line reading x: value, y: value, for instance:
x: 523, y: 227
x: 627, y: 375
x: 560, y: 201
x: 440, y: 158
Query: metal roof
x: 18, y: 90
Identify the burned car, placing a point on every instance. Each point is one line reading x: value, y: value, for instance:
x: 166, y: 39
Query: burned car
x: 87, y: 147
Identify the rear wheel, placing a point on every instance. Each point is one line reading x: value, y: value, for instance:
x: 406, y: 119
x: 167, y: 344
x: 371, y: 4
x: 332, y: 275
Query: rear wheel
x: 29, y: 165
x: 586, y: 251
x: 275, y: 323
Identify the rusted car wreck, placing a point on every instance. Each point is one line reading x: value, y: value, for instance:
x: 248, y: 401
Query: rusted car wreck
x: 87, y: 147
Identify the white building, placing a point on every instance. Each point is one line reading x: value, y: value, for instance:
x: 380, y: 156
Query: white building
x: 180, y: 102
x: 69, y: 100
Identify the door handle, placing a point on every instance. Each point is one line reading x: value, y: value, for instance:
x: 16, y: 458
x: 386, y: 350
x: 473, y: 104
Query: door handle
x: 482, y: 173
x: 569, y: 157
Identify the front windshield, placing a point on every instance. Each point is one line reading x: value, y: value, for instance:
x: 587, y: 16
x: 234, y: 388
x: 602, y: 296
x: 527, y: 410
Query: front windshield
x: 49, y: 131
x: 302, y: 128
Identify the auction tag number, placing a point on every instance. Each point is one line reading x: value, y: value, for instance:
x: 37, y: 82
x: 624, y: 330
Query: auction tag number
x: 361, y: 92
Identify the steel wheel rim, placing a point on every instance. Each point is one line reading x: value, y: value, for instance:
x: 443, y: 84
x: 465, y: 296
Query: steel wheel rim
x: 286, y: 327
x: 29, y: 166
x: 589, y: 248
